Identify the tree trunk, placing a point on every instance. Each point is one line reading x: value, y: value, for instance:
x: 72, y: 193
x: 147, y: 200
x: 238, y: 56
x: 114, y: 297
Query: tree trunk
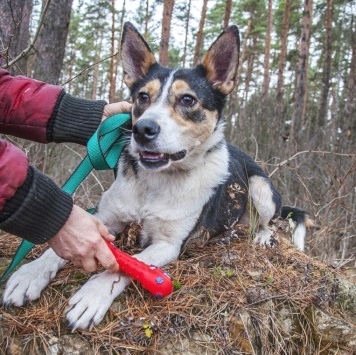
x: 50, y: 45
x: 123, y: 13
x: 147, y: 17
x: 94, y: 78
x: 15, y: 32
x: 278, y: 121
x: 243, y: 51
x: 199, y: 41
x: 166, y: 29
x: 302, y: 71
x: 112, y: 72
x: 250, y: 63
x: 327, y: 67
x: 227, y: 13
x: 283, y: 53
x: 265, y: 84
x: 350, y: 108
x: 186, y: 33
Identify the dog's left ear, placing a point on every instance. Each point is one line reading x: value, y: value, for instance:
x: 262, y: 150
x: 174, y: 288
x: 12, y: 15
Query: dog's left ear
x: 137, y: 57
x: 222, y: 59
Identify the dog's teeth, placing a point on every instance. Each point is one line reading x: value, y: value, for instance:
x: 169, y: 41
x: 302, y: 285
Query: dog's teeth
x: 153, y: 156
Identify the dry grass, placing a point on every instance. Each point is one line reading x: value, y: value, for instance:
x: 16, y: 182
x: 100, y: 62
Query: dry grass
x: 217, y: 285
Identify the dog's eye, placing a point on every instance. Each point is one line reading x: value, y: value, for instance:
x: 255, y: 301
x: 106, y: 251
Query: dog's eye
x: 143, y: 98
x: 187, y: 100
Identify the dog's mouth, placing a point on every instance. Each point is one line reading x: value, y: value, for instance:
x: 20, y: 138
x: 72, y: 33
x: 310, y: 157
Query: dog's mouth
x: 153, y: 160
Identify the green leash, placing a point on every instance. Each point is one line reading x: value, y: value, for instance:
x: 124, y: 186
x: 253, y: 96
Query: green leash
x: 103, y: 152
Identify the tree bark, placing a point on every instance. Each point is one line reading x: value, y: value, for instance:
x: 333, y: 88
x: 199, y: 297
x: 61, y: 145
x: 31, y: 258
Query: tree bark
x: 186, y: 33
x: 327, y: 66
x: 199, y: 41
x: 250, y: 64
x: 283, y: 53
x: 50, y: 46
x: 146, y: 20
x: 243, y: 51
x: 350, y: 109
x: 166, y: 29
x: 112, y: 72
x: 227, y: 13
x: 265, y: 84
x: 15, y: 32
x: 123, y: 13
x: 302, y: 69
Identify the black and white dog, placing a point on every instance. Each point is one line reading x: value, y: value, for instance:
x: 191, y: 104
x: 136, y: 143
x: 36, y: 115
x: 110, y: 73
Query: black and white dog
x: 177, y: 177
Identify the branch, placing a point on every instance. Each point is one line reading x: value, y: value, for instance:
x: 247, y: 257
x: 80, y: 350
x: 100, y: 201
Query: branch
x: 89, y: 67
x: 305, y: 152
x: 32, y: 44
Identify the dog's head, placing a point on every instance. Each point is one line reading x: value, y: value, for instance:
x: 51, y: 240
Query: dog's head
x: 176, y: 113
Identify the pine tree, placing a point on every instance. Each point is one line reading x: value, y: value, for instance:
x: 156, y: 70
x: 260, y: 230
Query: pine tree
x: 166, y: 29
x: 300, y: 90
x: 15, y: 33
x: 50, y: 46
x: 200, y: 34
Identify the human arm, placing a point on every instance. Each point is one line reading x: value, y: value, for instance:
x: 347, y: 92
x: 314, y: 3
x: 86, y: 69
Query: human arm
x: 39, y: 211
x: 31, y: 205
x: 44, y: 113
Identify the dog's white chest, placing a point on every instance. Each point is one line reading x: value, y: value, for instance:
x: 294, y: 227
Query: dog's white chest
x: 153, y: 198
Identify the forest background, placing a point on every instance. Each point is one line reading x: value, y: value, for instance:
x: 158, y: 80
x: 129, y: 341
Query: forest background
x: 293, y: 109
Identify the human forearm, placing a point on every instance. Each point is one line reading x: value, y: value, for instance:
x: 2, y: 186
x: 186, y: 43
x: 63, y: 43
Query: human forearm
x: 38, y: 209
x: 44, y: 113
x: 74, y: 119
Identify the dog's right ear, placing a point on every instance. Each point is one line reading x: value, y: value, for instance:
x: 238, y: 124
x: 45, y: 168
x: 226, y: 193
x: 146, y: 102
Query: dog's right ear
x: 136, y: 55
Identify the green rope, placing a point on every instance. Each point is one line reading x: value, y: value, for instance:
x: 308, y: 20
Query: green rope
x: 103, y: 152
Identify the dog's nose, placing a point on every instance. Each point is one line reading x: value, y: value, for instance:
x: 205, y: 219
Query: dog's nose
x: 145, y: 131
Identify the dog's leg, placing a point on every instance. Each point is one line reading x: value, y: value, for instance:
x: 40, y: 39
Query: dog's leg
x: 89, y: 305
x: 263, y: 201
x: 27, y: 283
x: 302, y: 220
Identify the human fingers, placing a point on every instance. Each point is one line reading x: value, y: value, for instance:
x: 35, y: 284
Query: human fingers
x: 114, y: 108
x: 104, y: 232
x: 89, y: 264
x: 106, y: 258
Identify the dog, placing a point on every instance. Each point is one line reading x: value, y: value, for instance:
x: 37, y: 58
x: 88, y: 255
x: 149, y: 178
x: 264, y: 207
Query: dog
x: 177, y: 176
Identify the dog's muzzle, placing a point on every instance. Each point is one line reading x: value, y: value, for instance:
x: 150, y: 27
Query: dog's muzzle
x: 144, y: 133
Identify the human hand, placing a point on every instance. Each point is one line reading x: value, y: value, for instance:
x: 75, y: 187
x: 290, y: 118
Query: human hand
x: 117, y: 107
x: 81, y: 241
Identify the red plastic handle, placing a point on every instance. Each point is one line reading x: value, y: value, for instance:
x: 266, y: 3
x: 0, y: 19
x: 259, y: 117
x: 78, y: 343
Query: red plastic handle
x: 152, y: 278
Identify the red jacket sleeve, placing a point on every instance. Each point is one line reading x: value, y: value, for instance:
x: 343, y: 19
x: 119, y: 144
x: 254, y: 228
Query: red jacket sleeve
x: 44, y: 113
x: 26, y: 106
x: 13, y: 170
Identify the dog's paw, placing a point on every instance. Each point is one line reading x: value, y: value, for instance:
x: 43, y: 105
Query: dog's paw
x: 89, y: 305
x: 27, y: 283
x: 264, y: 237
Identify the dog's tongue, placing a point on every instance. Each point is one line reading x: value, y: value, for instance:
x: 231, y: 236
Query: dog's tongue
x: 152, y: 156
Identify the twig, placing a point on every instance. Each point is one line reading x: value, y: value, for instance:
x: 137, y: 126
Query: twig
x: 32, y: 44
x: 308, y: 151
x: 89, y: 67
x: 17, y: 23
x: 333, y: 200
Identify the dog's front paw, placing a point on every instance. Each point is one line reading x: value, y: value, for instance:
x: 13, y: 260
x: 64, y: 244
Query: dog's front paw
x: 264, y: 237
x: 27, y: 283
x: 89, y: 305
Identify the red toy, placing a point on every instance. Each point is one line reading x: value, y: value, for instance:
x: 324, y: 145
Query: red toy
x: 152, y: 278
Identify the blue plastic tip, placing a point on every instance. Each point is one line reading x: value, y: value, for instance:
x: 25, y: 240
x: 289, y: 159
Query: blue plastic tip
x: 159, y: 280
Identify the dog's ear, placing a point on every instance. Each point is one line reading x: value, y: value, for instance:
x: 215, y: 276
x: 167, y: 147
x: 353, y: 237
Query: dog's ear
x: 222, y: 59
x: 136, y: 55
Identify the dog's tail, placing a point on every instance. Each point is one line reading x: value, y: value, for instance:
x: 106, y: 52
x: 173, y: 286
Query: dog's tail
x: 303, y: 221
